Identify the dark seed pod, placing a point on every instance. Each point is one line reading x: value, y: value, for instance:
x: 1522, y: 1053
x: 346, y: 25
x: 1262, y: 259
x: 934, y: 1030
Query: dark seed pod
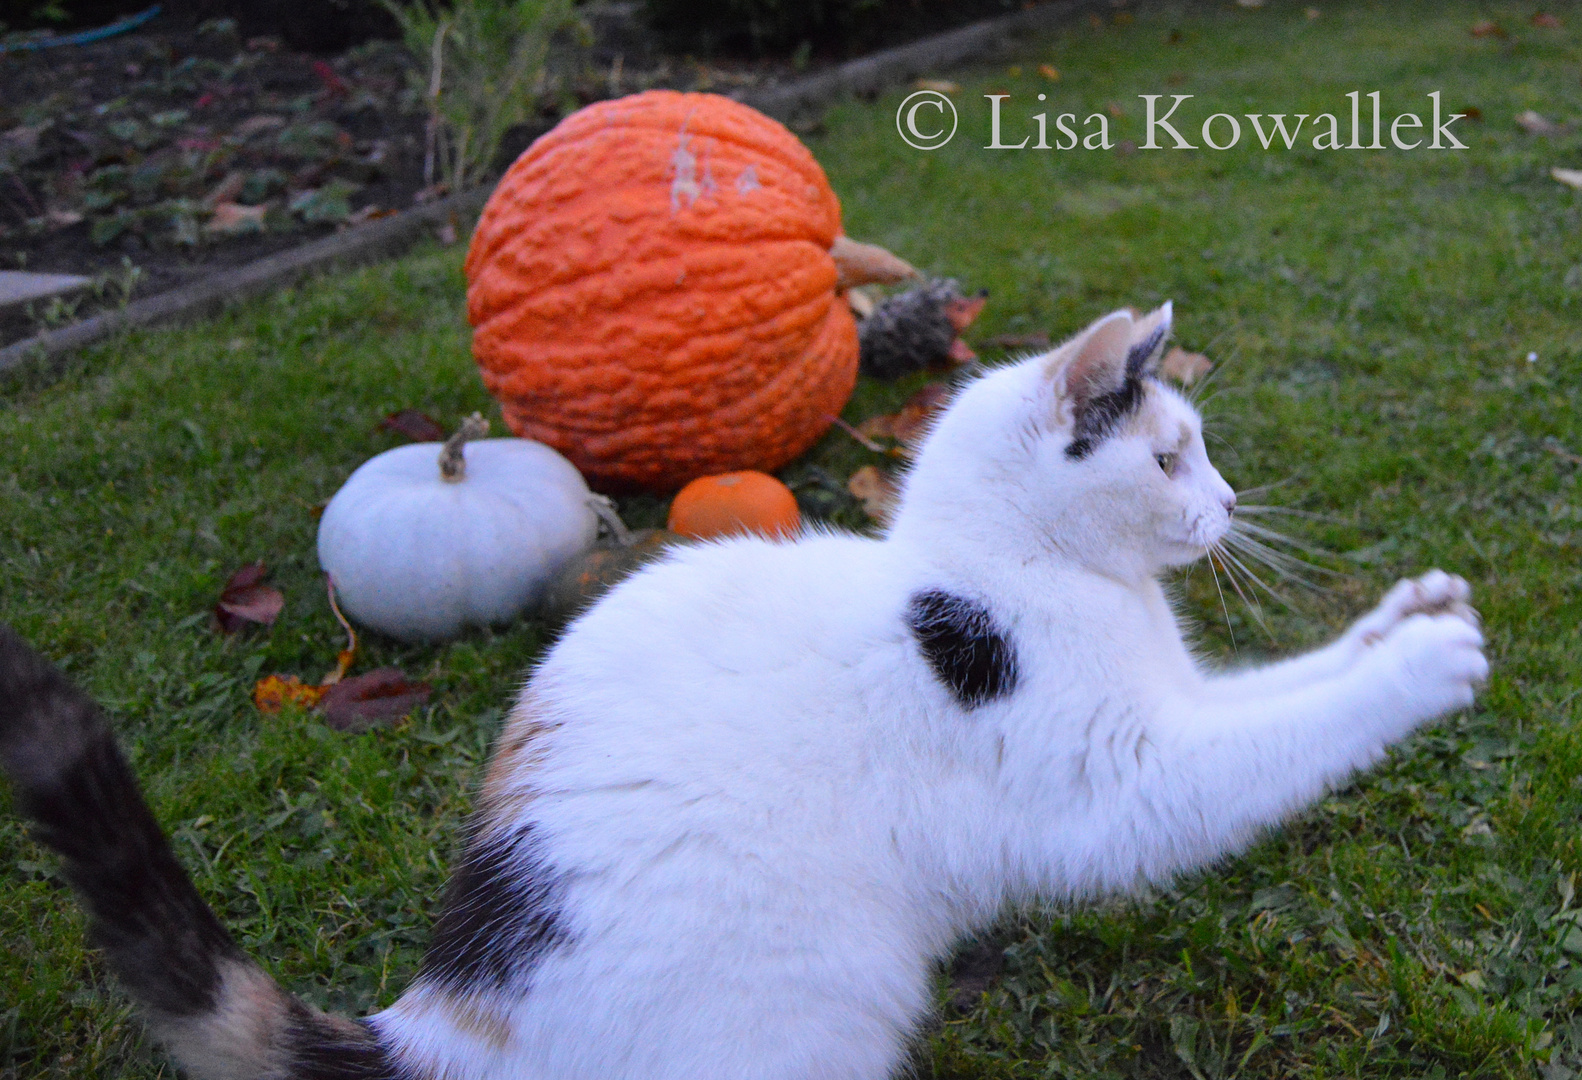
x: 918, y: 329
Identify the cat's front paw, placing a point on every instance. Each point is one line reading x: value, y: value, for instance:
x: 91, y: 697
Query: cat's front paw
x: 1432, y: 664
x: 1435, y: 593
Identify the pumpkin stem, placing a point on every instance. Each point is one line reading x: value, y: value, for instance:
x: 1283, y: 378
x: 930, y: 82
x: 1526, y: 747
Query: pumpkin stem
x: 857, y: 263
x: 604, y: 507
x: 452, y: 465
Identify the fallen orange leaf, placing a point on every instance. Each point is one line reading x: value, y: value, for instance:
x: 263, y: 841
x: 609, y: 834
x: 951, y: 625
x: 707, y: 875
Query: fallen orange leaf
x: 274, y: 692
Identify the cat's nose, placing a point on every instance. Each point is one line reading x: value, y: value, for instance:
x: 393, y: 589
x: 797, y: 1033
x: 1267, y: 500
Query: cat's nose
x: 1230, y: 503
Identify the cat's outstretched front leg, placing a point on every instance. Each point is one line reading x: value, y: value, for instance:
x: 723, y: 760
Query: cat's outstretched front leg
x: 1212, y: 770
x: 1436, y: 592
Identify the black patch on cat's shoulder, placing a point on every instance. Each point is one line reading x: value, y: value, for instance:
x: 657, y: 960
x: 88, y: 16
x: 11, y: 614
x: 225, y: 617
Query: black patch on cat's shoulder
x: 324, y: 1049
x: 1101, y: 414
x: 500, y: 914
x: 959, y: 639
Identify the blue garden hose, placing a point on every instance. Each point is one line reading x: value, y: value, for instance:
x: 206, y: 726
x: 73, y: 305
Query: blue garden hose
x: 82, y: 37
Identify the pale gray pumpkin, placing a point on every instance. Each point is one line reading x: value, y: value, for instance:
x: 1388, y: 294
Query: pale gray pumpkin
x: 419, y: 555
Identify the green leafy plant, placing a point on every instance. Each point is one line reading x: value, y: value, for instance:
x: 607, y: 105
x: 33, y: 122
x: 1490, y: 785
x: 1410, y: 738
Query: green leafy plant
x: 481, y: 70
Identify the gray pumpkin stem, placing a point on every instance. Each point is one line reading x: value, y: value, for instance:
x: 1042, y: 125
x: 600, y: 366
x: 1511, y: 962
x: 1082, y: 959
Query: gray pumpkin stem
x: 604, y: 507
x: 452, y: 463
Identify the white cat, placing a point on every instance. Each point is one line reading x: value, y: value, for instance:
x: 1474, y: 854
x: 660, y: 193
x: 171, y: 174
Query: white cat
x: 750, y: 797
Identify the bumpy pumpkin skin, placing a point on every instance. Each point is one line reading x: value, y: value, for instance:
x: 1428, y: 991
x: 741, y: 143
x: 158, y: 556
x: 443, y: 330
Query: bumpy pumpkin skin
x: 652, y: 294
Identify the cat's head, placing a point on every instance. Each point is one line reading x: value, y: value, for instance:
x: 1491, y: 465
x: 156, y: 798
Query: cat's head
x: 1081, y: 453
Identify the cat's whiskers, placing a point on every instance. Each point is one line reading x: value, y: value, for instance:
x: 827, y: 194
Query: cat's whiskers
x: 1229, y: 446
x: 1283, y: 566
x: 1254, y: 579
x: 1290, y: 567
x: 1201, y: 404
x: 1230, y: 563
x: 1261, y: 489
x: 1195, y: 392
x: 1256, y: 509
x: 1263, y: 532
x: 1247, y: 547
x: 1213, y: 556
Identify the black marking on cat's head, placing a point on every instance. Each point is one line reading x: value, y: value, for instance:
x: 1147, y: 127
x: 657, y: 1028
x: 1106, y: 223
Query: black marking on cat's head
x: 500, y: 914
x: 1099, y: 415
x: 966, y: 652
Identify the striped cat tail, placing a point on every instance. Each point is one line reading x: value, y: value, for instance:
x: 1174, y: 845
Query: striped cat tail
x: 221, y: 1016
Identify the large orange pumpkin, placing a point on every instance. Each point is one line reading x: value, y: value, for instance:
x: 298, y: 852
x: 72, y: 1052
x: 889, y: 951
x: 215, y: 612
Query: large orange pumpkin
x: 653, y: 293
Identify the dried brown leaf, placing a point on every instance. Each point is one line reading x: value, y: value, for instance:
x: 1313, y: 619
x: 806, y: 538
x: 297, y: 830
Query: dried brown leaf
x: 1488, y: 28
x: 1537, y: 124
x: 369, y: 213
x: 363, y: 701
x: 1568, y: 177
x: 227, y: 190
x: 246, y: 600
x: 234, y: 219
x: 908, y: 426
x: 1546, y: 20
x: 962, y: 310
x: 1184, y: 367
x: 877, y: 492
x: 415, y: 425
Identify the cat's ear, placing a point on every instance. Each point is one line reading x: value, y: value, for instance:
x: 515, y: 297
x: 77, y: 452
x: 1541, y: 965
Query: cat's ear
x: 1147, y: 345
x: 1099, y: 375
x: 1111, y: 354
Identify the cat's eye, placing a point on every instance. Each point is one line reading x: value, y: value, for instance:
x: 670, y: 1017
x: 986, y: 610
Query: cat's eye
x: 1167, y: 462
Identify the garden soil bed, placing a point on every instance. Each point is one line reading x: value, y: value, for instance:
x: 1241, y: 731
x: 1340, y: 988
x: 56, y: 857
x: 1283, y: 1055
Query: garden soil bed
x: 156, y: 159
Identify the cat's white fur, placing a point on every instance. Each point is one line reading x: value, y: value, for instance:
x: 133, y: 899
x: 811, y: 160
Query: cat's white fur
x: 767, y: 816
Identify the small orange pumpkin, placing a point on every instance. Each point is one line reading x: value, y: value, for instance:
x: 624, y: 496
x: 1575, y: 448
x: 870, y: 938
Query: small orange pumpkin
x: 653, y: 291
x: 735, y: 503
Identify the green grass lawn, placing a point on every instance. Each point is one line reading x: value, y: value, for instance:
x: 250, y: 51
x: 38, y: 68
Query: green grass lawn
x: 1372, y: 313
